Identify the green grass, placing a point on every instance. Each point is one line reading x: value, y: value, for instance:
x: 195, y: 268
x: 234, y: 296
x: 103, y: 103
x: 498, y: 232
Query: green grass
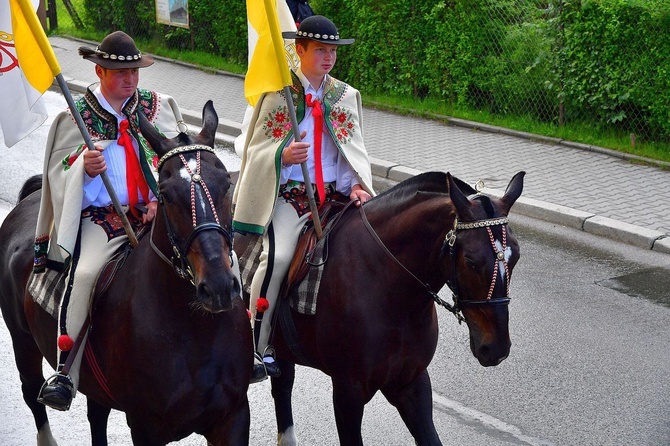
x: 204, y: 60
x: 428, y: 108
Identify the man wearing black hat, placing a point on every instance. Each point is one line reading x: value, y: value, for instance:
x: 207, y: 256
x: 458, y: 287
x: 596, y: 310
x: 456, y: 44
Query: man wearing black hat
x: 270, y: 198
x: 78, y: 228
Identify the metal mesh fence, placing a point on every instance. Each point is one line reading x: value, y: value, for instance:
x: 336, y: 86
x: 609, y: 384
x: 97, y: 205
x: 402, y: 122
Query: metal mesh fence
x: 592, y: 62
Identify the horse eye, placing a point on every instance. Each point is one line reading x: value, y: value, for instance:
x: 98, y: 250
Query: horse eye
x: 167, y: 198
x: 471, y: 263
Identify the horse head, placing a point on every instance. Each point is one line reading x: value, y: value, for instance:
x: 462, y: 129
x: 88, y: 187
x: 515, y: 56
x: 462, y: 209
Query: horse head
x: 483, y: 252
x: 194, y: 219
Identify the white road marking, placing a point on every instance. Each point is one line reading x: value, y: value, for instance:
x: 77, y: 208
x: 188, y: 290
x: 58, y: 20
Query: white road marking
x: 487, y: 421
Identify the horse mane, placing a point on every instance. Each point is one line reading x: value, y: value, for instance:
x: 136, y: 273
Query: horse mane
x: 31, y: 185
x: 435, y: 182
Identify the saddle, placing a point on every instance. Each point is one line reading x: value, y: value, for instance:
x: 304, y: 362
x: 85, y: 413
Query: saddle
x: 307, y: 242
x: 301, y: 283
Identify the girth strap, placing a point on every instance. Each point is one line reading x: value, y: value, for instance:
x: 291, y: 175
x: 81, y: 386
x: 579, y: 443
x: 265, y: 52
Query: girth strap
x: 291, y: 334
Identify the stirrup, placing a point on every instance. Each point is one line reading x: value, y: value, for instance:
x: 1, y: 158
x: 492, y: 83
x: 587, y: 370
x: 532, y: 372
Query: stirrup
x: 61, y: 380
x: 258, y: 372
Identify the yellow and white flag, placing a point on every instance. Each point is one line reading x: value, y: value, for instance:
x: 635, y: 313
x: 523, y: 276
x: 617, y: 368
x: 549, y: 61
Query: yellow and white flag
x: 267, y: 19
x: 27, y: 69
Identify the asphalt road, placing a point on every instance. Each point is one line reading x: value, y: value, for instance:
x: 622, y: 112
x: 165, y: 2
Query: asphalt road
x: 590, y: 327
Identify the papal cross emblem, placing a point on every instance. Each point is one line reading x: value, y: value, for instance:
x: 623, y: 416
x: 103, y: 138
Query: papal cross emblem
x: 8, y: 60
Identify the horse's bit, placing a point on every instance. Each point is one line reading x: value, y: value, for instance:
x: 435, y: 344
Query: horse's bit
x: 450, y: 240
x: 183, y: 269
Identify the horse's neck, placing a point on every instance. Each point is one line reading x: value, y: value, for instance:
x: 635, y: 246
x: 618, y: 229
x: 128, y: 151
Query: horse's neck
x: 158, y: 239
x: 413, y: 233
x: 423, y: 219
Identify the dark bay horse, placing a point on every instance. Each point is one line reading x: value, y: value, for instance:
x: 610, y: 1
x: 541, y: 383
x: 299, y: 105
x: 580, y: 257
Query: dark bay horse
x: 170, y: 343
x: 375, y: 327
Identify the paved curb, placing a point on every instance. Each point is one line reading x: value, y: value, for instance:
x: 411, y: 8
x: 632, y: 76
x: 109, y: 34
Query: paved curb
x: 386, y: 174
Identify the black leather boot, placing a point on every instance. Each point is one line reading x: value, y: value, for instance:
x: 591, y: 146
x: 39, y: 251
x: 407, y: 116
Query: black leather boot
x: 264, y: 369
x: 57, y: 392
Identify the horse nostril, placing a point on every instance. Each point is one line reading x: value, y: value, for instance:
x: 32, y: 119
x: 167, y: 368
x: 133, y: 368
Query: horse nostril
x: 487, y: 357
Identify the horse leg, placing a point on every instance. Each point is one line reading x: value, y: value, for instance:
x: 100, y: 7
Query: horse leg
x: 415, y: 405
x: 282, y: 389
x: 97, y: 419
x: 29, y: 364
x: 349, y: 402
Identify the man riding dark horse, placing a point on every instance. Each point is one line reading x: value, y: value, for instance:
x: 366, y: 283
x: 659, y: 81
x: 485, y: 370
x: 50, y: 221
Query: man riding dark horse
x: 78, y: 229
x: 270, y: 197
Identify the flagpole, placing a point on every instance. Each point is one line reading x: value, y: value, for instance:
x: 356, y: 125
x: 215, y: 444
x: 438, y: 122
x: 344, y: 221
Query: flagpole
x: 277, y: 43
x: 41, y: 39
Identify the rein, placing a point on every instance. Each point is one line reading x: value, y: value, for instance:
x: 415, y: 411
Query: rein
x: 450, y: 240
x: 453, y: 309
x: 179, y: 261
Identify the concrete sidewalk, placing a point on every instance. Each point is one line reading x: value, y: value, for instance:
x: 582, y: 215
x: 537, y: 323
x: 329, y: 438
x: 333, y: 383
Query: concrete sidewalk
x: 584, y: 187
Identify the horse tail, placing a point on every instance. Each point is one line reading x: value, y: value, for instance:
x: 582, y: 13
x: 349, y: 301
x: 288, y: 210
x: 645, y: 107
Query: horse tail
x: 31, y: 185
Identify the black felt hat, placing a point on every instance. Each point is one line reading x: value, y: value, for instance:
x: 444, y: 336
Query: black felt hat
x: 116, y: 52
x: 318, y: 28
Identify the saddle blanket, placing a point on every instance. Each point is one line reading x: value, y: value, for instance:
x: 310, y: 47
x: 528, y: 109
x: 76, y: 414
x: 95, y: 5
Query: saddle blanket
x: 301, y: 298
x: 47, y: 289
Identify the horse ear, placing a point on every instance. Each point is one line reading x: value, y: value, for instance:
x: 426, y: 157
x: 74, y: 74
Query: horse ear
x: 210, y: 122
x: 151, y: 134
x: 459, y: 200
x: 464, y: 187
x: 514, y: 189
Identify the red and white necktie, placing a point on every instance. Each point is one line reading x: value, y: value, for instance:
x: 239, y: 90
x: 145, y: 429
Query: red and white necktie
x: 317, y: 113
x: 134, y: 177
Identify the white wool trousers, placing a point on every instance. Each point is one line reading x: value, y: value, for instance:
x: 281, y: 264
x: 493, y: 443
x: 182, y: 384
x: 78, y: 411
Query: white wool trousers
x: 96, y: 250
x: 279, y: 243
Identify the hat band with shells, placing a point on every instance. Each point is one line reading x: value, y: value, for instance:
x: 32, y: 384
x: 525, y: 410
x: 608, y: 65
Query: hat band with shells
x: 105, y: 55
x: 317, y: 36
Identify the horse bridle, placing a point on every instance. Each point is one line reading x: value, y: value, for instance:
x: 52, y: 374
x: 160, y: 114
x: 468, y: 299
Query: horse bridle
x: 179, y: 260
x: 450, y: 241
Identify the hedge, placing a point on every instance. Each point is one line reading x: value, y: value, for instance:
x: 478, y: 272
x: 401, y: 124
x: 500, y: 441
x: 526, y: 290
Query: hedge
x: 605, y: 62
